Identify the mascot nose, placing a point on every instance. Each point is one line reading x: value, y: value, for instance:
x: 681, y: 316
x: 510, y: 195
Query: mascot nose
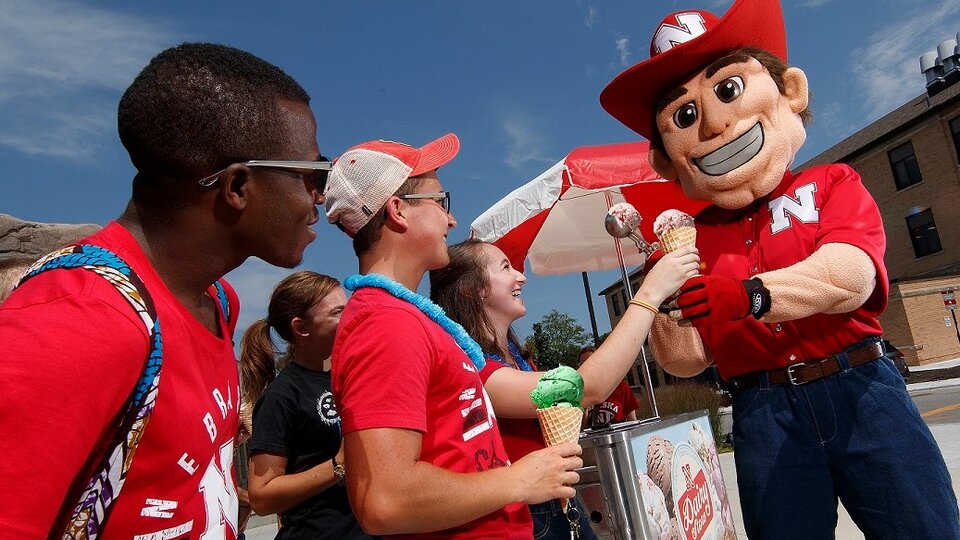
x: 714, y: 121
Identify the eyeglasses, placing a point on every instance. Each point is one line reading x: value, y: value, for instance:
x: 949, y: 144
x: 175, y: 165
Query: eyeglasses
x: 442, y: 198
x: 314, y: 171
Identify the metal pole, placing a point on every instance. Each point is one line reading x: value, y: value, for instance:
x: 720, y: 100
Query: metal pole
x: 953, y: 313
x: 648, y: 381
x: 593, y: 316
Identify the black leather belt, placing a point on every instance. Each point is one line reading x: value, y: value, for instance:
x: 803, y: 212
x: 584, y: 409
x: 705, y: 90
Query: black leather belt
x: 805, y: 372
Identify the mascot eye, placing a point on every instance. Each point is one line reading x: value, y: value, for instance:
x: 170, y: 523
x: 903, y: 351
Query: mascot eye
x: 686, y: 115
x: 728, y: 89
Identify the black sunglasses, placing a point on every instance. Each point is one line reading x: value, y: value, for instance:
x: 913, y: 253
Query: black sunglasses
x: 314, y: 171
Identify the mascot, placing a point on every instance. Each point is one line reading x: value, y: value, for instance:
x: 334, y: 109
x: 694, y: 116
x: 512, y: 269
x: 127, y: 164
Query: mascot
x: 792, y: 285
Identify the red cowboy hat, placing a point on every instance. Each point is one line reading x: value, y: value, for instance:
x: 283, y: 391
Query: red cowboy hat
x: 684, y: 43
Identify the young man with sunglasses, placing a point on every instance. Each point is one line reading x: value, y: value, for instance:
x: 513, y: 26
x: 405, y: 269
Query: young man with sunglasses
x: 424, y: 457
x: 120, y: 396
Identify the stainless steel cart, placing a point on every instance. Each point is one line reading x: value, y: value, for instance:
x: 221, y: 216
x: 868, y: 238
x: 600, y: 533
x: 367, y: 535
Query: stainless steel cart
x: 616, y: 485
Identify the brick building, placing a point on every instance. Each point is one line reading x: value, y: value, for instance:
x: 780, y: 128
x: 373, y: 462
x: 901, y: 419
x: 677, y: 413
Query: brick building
x: 910, y: 161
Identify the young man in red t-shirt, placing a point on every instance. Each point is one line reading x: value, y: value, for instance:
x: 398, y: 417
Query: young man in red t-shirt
x: 72, y: 349
x: 423, y: 455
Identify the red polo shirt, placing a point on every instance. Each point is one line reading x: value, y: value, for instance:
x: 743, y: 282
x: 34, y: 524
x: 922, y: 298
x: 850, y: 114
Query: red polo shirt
x: 821, y: 205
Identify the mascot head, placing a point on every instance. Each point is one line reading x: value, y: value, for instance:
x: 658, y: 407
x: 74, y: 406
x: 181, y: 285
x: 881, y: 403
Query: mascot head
x: 723, y: 112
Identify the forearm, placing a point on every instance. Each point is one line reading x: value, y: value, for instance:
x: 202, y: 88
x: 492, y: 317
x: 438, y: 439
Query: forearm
x: 604, y: 370
x: 435, y: 499
x: 837, y: 278
x: 403, y: 495
x: 286, y: 491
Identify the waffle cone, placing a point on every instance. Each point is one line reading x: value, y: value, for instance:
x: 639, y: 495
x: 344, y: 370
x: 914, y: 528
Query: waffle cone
x: 677, y: 238
x: 560, y: 425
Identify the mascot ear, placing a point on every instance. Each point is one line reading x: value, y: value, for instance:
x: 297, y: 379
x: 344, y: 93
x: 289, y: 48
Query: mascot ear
x: 796, y: 89
x: 661, y: 163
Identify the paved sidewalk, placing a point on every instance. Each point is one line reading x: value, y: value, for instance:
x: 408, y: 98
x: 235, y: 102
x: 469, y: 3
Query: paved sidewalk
x: 261, y: 527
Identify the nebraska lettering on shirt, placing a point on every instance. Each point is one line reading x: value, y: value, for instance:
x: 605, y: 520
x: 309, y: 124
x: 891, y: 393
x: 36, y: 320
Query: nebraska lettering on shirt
x: 214, y: 420
x: 158, y: 508
x: 478, y: 416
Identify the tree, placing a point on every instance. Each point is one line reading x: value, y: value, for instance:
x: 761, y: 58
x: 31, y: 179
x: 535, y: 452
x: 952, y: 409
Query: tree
x: 556, y: 340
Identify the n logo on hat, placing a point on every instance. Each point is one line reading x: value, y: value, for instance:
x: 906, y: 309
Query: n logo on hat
x: 690, y: 24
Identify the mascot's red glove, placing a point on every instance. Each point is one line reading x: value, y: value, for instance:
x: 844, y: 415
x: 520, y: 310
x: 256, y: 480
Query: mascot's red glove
x: 707, y: 300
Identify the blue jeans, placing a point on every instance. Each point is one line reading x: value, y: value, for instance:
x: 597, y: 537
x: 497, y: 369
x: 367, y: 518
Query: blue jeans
x: 549, y: 522
x: 856, y: 436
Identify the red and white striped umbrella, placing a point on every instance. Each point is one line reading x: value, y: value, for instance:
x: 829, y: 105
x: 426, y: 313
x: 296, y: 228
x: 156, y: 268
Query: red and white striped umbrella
x: 556, y: 219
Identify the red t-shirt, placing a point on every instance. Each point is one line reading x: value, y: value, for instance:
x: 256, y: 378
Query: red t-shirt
x: 71, y: 350
x: 393, y: 367
x: 520, y: 435
x: 615, y: 408
x: 807, y: 210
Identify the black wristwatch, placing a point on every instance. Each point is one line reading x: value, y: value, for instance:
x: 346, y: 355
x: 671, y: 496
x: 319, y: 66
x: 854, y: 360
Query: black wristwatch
x: 339, y: 471
x: 759, y: 297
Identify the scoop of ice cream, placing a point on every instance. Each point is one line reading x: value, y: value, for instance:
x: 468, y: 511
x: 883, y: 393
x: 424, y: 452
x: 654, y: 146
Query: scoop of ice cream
x: 561, y: 387
x: 655, y: 506
x: 626, y: 215
x: 669, y: 220
x: 660, y: 465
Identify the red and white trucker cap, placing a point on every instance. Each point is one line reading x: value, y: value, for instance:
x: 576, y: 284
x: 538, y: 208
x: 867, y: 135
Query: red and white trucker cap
x: 684, y: 43
x: 365, y: 176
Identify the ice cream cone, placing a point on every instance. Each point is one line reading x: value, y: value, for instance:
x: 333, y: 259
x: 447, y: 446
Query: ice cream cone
x: 677, y: 238
x: 560, y: 425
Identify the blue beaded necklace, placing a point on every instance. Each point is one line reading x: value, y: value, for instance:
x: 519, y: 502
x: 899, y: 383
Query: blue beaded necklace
x: 518, y: 358
x: 424, y: 304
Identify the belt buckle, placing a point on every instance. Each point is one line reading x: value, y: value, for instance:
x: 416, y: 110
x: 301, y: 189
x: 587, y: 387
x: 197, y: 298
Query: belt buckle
x: 790, y: 378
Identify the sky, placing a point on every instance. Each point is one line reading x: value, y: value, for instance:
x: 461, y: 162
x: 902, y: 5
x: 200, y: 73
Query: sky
x: 517, y: 80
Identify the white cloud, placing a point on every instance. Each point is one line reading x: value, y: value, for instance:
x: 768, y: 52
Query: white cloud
x: 592, y: 15
x: 62, y: 66
x: 833, y: 120
x: 525, y: 143
x: 623, y: 49
x: 813, y: 4
x: 886, y: 69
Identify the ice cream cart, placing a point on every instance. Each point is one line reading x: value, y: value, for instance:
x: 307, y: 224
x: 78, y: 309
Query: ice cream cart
x: 656, y: 479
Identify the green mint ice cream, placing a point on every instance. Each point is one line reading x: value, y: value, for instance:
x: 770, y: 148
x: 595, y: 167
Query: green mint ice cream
x: 561, y: 387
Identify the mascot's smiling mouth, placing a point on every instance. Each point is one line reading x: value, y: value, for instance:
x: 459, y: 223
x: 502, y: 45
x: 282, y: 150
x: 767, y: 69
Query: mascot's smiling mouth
x: 733, y: 154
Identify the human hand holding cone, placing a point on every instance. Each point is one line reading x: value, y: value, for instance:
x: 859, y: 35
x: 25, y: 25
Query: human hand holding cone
x: 558, y: 396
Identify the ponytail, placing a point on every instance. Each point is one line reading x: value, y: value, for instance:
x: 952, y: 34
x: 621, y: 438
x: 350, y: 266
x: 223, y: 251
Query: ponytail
x: 257, y: 364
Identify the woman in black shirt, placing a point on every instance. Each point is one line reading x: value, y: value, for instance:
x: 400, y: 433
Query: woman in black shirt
x: 296, y: 467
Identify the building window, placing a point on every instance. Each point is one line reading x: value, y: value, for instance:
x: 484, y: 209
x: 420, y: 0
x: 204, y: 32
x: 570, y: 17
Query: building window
x: 955, y: 133
x: 906, y: 172
x: 923, y: 233
x: 617, y: 305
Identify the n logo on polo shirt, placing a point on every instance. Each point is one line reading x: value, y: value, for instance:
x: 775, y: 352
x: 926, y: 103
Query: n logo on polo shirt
x: 804, y: 208
x: 689, y: 25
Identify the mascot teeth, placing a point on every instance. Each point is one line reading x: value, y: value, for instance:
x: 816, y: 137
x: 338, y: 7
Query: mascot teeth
x: 733, y: 154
